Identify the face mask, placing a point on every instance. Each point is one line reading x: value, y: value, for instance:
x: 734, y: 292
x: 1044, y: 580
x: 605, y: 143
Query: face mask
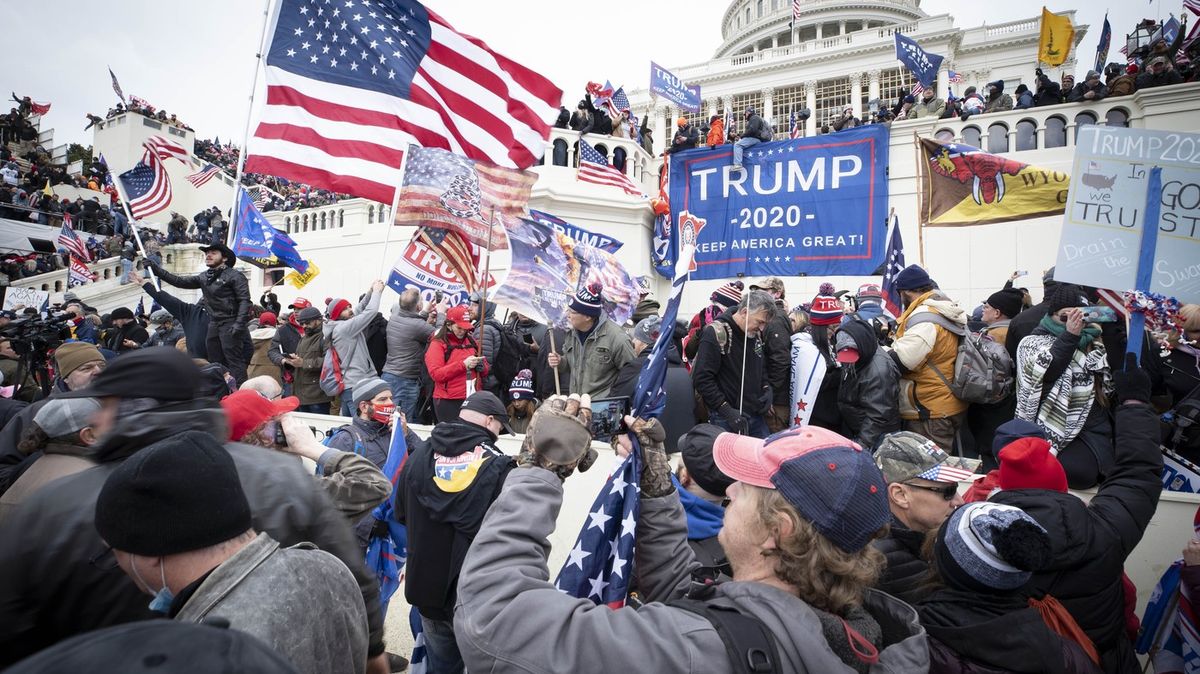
x: 382, y: 413
x: 163, y: 598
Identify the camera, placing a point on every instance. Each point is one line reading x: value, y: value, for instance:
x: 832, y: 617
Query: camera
x: 37, y: 335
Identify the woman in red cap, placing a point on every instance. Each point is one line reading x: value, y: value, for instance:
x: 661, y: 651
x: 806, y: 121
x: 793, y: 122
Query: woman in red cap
x: 453, y: 364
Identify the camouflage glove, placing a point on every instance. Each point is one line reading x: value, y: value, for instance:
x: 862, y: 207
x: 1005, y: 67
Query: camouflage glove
x: 656, y: 471
x: 559, y: 437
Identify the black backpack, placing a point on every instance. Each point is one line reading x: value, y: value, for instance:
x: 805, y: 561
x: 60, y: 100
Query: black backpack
x: 1182, y: 427
x: 750, y: 645
x: 509, y: 355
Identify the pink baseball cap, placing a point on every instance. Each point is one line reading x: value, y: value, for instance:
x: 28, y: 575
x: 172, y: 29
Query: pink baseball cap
x: 830, y: 480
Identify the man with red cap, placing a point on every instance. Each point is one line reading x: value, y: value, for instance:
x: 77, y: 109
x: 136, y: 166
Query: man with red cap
x: 352, y: 482
x: 283, y: 345
x: 1090, y: 541
x: 803, y: 509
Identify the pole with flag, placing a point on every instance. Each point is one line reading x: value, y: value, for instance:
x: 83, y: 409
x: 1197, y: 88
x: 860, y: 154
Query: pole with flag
x: 893, y: 262
x: 600, y: 565
x: 241, y: 160
x: 1102, y: 46
x: 116, y: 85
x: 133, y: 228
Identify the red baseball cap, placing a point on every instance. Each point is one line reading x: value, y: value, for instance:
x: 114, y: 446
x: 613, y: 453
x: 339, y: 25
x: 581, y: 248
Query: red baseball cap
x: 299, y: 303
x: 828, y: 479
x: 847, y: 355
x: 246, y: 410
x: 460, y: 316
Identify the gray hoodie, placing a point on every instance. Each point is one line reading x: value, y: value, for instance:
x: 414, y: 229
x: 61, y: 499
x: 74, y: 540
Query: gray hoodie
x: 510, y: 618
x: 349, y: 338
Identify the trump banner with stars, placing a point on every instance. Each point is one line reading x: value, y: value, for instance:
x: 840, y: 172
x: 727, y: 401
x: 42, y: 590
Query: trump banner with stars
x: 811, y: 206
x: 963, y: 185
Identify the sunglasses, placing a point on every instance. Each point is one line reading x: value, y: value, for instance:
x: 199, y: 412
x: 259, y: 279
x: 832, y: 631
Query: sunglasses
x: 947, y: 492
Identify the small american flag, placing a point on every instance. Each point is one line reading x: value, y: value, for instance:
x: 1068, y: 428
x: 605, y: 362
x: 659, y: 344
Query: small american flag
x: 147, y: 186
x: 893, y: 262
x: 594, y: 168
x: 67, y: 238
x: 955, y: 78
x: 797, y: 6
x: 618, y: 103
x: 351, y: 85
x: 204, y: 175
x: 258, y: 195
x: 916, y: 90
x: 795, y: 132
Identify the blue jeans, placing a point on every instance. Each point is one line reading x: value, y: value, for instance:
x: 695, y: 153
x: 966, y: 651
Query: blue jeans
x: 740, y: 146
x: 405, y: 393
x: 441, y: 649
x: 314, y: 408
x: 347, y: 409
x: 126, y: 267
x: 756, y: 426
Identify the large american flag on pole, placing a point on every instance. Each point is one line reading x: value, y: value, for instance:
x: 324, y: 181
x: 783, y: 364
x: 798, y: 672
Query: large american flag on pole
x: 594, y: 168
x: 147, y: 186
x: 893, y: 262
x: 67, y: 238
x: 600, y: 565
x: 204, y: 175
x: 350, y: 85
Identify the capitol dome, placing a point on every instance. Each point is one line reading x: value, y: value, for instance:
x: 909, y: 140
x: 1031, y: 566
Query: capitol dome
x: 755, y: 25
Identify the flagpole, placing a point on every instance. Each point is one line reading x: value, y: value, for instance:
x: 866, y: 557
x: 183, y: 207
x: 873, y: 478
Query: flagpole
x: 487, y: 272
x: 387, y: 237
x: 921, y: 199
x: 133, y: 225
x: 241, y: 162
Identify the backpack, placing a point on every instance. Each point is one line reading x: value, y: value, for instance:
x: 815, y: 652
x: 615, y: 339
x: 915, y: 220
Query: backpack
x: 1182, y: 427
x: 332, y: 380
x: 983, y: 369
x: 768, y: 132
x: 508, y: 356
x: 750, y: 645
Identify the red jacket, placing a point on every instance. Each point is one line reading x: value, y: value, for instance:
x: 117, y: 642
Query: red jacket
x: 448, y: 372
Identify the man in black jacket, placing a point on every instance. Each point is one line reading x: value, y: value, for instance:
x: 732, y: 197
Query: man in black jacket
x: 443, y: 493
x: 737, y: 398
x: 58, y: 578
x: 1092, y: 540
x: 127, y: 334
x: 227, y: 300
x: 918, y: 483
x: 191, y: 317
x: 285, y: 341
x: 754, y: 133
x: 777, y: 349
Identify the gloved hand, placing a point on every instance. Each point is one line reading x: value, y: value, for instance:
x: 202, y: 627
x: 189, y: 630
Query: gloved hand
x: 737, y: 422
x: 1132, y: 383
x: 559, y: 437
x: 656, y: 471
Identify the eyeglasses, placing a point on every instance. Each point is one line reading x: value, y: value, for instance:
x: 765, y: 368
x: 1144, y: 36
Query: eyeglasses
x: 105, y: 560
x: 947, y: 492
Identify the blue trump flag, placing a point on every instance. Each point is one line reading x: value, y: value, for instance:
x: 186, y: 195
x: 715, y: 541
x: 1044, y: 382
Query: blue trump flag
x: 600, y: 565
x: 284, y: 248
x: 1102, y: 46
x: 252, y: 234
x: 602, y: 241
x: 812, y: 206
x: 923, y: 65
x: 664, y: 83
x: 386, y: 554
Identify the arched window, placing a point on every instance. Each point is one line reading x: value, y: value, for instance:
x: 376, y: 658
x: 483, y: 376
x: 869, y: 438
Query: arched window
x: 559, y: 155
x: 1055, y: 133
x: 1083, y: 119
x: 1117, y: 117
x: 58, y: 286
x: 45, y: 287
x: 108, y: 273
x: 971, y: 136
x: 170, y: 258
x: 602, y: 149
x: 304, y: 226
x: 1026, y: 135
x: 287, y: 224
x: 340, y: 223
x: 944, y: 135
x: 997, y: 142
x: 323, y: 218
x: 747, y: 16
x: 760, y: 8
x: 370, y: 215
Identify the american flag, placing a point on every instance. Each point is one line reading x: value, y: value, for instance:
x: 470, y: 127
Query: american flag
x: 165, y: 148
x: 78, y: 273
x: 455, y: 251
x: 141, y: 103
x: 1114, y: 299
x: 892, y: 264
x: 351, y: 85
x: 618, y: 103
x: 955, y: 78
x: 147, y: 186
x: 116, y: 85
x: 386, y: 554
x: 797, y: 6
x: 258, y: 195
x: 795, y: 124
x: 204, y: 175
x: 594, y: 168
x: 916, y: 90
x: 67, y: 238
x: 600, y: 565
x: 447, y: 190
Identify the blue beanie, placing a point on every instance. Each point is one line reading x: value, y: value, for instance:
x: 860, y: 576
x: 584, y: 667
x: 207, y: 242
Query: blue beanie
x: 911, y: 278
x: 990, y: 547
x: 587, y: 300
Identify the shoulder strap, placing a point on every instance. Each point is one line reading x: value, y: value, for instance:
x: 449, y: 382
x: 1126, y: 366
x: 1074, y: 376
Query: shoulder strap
x: 751, y: 647
x: 936, y: 318
x: 358, y: 441
x: 722, y: 333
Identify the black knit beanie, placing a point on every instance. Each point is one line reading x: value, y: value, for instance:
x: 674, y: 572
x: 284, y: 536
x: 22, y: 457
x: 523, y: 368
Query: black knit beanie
x: 177, y: 495
x: 1067, y: 296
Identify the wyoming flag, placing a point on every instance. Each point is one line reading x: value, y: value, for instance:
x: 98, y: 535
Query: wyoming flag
x: 962, y: 185
x: 1058, y: 36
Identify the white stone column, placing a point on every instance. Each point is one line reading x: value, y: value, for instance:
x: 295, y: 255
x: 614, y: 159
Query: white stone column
x: 873, y: 85
x: 775, y: 41
x: 841, y: 28
x: 810, y: 102
x: 768, y: 111
x: 943, y: 80
x: 660, y: 131
x: 726, y: 108
x: 820, y: 34
x: 856, y: 94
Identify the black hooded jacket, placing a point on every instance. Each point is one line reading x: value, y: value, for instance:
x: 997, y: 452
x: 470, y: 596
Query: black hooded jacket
x: 226, y: 292
x: 905, y: 574
x: 444, y: 491
x: 869, y: 393
x: 1092, y: 540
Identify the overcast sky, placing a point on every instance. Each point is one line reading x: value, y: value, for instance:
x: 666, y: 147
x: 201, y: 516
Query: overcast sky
x: 197, y: 59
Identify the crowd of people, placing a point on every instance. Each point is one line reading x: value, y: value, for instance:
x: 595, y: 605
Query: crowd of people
x: 835, y: 531
x: 279, y: 194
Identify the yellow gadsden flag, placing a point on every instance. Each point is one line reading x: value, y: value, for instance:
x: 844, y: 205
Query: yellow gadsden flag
x: 962, y: 185
x: 1058, y: 36
x: 299, y: 280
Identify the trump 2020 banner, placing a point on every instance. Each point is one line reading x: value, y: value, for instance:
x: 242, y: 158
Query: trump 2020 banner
x: 670, y: 87
x: 804, y: 206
